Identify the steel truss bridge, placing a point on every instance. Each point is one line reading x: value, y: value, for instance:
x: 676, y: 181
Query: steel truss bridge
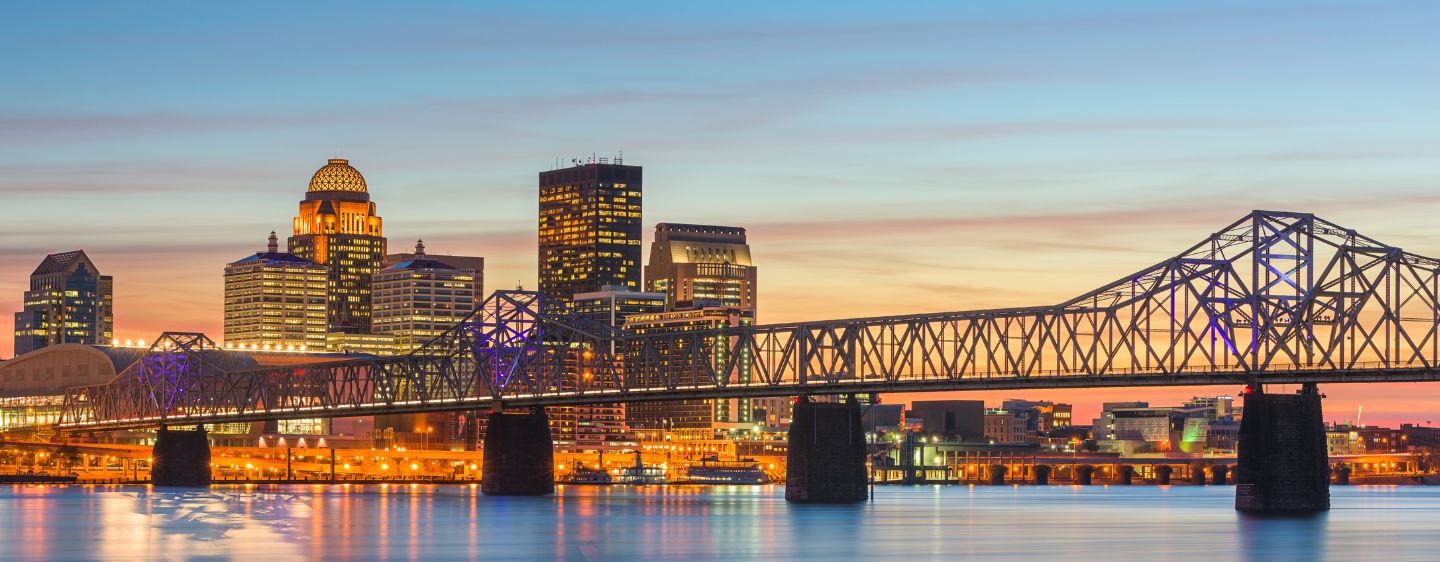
x: 1274, y: 297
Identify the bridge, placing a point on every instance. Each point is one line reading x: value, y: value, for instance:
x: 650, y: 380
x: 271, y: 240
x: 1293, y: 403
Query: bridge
x: 1272, y: 298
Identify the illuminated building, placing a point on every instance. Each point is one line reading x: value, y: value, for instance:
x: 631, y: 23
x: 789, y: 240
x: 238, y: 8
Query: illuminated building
x: 419, y: 298
x: 337, y: 227
x: 475, y: 265
x: 603, y: 426
x: 589, y: 238
x: 363, y: 344
x: 695, y: 419
x: 1041, y: 416
x: 696, y: 265
x: 590, y: 228
x: 68, y: 302
x: 611, y: 305
x: 275, y: 300
x: 701, y: 264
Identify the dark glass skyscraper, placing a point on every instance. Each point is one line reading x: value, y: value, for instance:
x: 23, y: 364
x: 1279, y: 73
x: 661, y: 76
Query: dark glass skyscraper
x: 590, y: 228
x: 68, y: 302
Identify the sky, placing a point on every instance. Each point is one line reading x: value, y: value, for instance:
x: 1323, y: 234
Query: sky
x: 885, y: 157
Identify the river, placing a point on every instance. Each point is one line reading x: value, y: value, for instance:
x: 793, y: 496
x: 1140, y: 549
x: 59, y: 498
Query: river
x: 451, y: 522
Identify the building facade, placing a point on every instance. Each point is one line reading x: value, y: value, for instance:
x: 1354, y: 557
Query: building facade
x: 701, y: 264
x: 420, y: 298
x: 695, y: 419
x: 611, y: 305
x: 604, y: 426
x: 69, y: 301
x: 590, y: 228
x: 275, y: 300
x: 337, y: 227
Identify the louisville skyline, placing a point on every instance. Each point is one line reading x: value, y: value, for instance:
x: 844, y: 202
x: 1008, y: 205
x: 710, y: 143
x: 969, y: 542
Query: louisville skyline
x: 884, y: 158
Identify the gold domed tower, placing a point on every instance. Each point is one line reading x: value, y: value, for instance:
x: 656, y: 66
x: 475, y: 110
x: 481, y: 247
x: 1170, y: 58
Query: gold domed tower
x: 337, y: 226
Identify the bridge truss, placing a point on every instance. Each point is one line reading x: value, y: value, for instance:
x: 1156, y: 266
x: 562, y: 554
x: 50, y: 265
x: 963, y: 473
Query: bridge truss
x: 1274, y: 297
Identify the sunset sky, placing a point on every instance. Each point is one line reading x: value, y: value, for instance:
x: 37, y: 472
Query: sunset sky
x: 885, y: 157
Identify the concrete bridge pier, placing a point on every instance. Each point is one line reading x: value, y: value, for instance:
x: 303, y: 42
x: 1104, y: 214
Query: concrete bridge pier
x: 827, y: 450
x: 1283, y: 465
x: 181, y: 458
x: 519, y: 454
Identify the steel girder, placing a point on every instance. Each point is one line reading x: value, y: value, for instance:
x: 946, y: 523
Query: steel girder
x: 1246, y: 304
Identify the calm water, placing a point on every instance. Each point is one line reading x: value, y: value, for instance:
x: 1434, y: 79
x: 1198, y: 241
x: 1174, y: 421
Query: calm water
x: 680, y: 523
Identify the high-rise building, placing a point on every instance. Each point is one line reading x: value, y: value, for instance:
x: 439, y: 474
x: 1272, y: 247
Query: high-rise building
x: 611, y: 305
x: 590, y: 228
x: 475, y: 265
x: 338, y: 228
x: 604, y: 426
x: 696, y: 266
x: 695, y: 419
x: 417, y: 299
x: 701, y: 264
x: 275, y: 300
x: 69, y: 301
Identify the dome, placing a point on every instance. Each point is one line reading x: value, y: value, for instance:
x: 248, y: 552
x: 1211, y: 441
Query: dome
x: 337, y: 175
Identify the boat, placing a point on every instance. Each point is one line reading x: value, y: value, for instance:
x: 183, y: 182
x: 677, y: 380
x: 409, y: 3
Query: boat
x: 581, y: 474
x: 712, y: 470
x: 641, y: 474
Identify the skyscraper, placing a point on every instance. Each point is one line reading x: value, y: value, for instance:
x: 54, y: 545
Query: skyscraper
x: 276, y: 300
x: 69, y: 301
x: 337, y: 227
x: 701, y: 264
x: 419, y: 298
x: 603, y: 426
x: 695, y: 419
x: 590, y: 228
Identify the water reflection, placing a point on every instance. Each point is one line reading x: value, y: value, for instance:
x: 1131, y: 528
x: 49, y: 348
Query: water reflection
x: 308, y: 522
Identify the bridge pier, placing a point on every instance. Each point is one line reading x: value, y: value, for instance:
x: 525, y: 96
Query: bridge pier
x: 1283, y: 464
x: 1162, y: 474
x: 827, y: 450
x: 519, y: 454
x: 181, y: 458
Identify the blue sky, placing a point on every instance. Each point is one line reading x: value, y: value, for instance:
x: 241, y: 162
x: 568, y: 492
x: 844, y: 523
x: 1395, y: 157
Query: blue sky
x: 924, y: 155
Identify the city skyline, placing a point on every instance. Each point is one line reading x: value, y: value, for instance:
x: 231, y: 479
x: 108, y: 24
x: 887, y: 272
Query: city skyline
x: 979, y: 198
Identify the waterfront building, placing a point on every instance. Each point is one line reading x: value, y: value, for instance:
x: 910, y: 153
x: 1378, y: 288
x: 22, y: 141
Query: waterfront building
x: 419, y: 298
x: 69, y: 301
x: 589, y: 228
x: 275, y: 300
x: 701, y: 263
x: 1040, y: 416
x: 604, y: 426
x: 961, y: 420
x: 695, y: 419
x: 1004, y: 426
x: 338, y: 228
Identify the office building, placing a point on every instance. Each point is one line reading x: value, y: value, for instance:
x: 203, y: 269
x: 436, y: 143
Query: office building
x: 1040, y: 416
x: 611, y: 305
x: 604, y: 426
x: 69, y: 301
x: 475, y: 265
x: 589, y: 228
x: 420, y: 298
x: 337, y: 227
x: 1005, y: 426
x: 275, y: 300
x: 701, y: 264
x: 695, y: 419
x: 956, y: 420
